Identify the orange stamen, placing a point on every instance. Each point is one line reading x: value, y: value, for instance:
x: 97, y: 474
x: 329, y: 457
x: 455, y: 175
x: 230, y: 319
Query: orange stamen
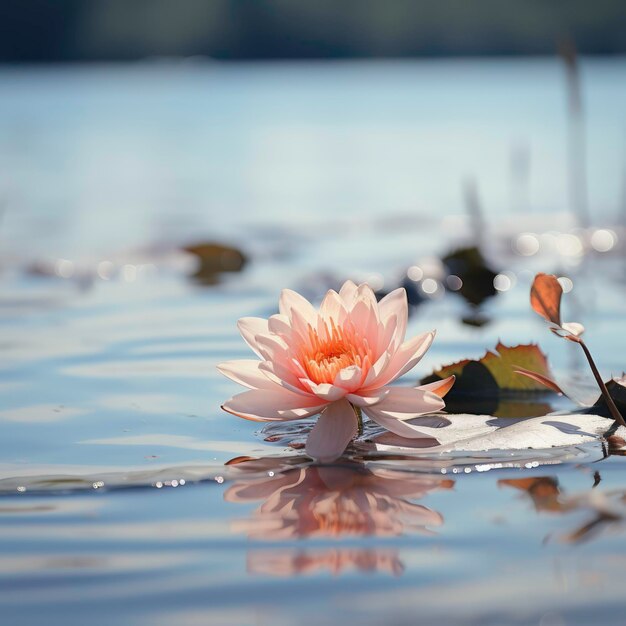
x: 328, y: 352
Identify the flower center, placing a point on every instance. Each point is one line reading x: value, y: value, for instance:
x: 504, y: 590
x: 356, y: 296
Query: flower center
x: 332, y: 350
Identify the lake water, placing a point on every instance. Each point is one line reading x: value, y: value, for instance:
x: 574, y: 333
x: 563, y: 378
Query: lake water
x: 116, y: 505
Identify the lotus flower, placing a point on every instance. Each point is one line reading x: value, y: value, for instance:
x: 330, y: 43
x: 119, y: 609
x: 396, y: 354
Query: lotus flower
x: 336, y: 361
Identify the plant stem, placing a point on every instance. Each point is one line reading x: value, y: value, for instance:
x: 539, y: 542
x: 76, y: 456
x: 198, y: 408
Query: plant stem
x: 617, y: 416
x: 359, y: 419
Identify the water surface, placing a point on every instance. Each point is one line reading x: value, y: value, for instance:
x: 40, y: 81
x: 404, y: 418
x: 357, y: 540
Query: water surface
x: 117, y: 505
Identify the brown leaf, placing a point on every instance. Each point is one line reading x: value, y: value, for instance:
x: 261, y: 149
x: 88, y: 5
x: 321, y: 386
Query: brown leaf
x: 545, y: 297
x: 496, y: 371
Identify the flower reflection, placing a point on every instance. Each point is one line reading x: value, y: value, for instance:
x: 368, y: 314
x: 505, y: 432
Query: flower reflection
x: 336, y: 501
x: 335, y: 561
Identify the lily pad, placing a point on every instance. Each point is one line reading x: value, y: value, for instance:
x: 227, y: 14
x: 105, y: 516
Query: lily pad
x: 215, y: 259
x: 493, y: 385
x: 494, y: 373
x: 468, y: 433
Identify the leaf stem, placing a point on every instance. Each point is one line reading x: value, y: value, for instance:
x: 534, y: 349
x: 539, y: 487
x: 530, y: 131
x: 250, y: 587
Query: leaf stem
x: 359, y: 419
x: 617, y: 416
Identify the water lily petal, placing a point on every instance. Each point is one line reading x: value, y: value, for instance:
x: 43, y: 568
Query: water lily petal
x: 280, y: 325
x: 405, y: 359
x: 377, y: 370
x: 332, y: 433
x: 387, y: 332
x: 368, y: 322
x: 283, y: 376
x: 349, y: 378
x: 301, y: 324
x: 246, y: 372
x: 272, y: 348
x: 395, y: 304
x: 399, y: 427
x: 291, y: 301
x: 361, y: 399
x: 407, y: 402
x: 332, y: 308
x: 348, y: 293
x: 250, y: 327
x: 366, y: 294
x: 440, y: 387
x: 263, y: 405
x: 327, y: 392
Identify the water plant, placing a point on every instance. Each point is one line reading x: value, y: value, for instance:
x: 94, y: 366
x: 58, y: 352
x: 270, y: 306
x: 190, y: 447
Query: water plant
x: 545, y: 299
x: 338, y: 361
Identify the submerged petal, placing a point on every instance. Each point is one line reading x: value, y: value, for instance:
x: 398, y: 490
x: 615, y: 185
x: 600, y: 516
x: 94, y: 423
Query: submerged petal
x: 332, y: 433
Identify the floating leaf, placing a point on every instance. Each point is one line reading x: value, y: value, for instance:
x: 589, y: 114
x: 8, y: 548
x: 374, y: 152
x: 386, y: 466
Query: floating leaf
x: 214, y: 259
x: 495, y: 373
x: 472, y: 433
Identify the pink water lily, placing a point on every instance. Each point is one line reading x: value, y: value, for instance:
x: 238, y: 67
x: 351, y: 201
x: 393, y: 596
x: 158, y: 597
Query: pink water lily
x: 337, y: 361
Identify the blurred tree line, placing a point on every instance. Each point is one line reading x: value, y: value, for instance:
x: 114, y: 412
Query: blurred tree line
x: 119, y: 30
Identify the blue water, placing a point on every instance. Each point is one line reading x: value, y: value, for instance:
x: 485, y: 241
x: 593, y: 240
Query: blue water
x: 116, y: 505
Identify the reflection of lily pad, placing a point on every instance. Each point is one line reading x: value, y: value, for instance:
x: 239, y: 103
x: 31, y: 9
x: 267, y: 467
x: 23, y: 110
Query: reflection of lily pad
x: 215, y: 259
